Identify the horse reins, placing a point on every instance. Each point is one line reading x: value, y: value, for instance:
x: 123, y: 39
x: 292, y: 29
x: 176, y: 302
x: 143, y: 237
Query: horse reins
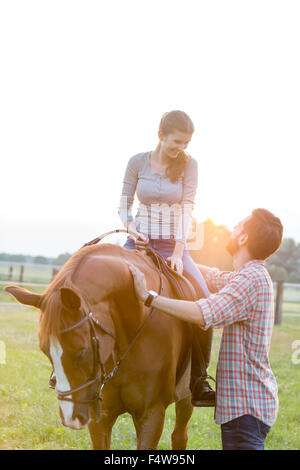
x: 100, y: 379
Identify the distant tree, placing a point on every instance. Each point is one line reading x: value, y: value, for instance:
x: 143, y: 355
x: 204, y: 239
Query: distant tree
x: 294, y: 277
x: 11, y: 257
x: 40, y: 260
x: 285, y: 263
x: 277, y: 273
x: 62, y: 259
x: 213, y: 253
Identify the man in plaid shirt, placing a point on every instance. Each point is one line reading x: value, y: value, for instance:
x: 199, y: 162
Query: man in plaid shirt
x: 242, y: 304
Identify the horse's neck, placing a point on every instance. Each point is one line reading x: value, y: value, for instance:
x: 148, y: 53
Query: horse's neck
x: 106, y: 278
x: 128, y: 315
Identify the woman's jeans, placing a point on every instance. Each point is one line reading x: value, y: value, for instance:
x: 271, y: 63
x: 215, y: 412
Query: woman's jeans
x: 202, y: 340
x: 166, y: 248
x: 244, y: 433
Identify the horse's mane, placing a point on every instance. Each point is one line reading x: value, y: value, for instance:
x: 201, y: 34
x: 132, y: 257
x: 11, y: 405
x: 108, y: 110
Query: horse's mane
x: 52, y: 319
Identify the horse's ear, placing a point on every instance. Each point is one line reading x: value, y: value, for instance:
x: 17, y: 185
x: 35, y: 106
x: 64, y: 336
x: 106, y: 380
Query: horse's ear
x: 70, y: 300
x: 24, y: 296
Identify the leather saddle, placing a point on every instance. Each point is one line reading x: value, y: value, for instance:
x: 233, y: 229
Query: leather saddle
x: 184, y: 287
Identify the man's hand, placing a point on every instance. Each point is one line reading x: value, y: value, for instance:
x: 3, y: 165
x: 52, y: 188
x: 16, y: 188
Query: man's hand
x: 139, y: 283
x: 182, y: 309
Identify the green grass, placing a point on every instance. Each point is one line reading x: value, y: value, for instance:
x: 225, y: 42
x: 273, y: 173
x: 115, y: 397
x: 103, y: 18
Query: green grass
x: 291, y: 307
x: 29, y: 416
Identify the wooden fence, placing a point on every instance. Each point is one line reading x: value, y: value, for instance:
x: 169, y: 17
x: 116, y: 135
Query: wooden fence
x: 27, y: 272
x: 287, y: 300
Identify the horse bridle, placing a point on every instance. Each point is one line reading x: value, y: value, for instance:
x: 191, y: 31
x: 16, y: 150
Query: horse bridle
x: 100, y: 379
x: 97, y: 364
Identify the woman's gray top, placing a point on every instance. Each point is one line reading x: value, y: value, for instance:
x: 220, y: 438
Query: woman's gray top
x: 165, y: 208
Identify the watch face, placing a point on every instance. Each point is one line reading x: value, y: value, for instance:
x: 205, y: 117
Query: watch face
x: 152, y: 293
x: 151, y: 296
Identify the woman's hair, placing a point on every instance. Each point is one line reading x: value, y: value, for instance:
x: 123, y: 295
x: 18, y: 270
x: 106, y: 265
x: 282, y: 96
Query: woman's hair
x: 176, y: 121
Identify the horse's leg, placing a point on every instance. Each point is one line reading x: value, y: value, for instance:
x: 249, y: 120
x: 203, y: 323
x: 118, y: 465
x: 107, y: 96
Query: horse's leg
x: 184, y: 410
x: 100, y: 431
x: 149, y: 427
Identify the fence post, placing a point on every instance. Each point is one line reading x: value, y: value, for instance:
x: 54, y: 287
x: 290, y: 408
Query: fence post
x: 278, y: 308
x: 21, y: 273
x: 10, y: 273
x: 54, y: 272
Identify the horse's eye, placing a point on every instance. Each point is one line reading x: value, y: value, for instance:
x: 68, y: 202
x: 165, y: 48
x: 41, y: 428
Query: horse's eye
x: 81, y: 356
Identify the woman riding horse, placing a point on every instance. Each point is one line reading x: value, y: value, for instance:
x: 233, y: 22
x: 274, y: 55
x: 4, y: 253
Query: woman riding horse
x: 165, y: 181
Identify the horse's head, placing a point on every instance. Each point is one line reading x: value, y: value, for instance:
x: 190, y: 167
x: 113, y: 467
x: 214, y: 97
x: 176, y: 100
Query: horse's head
x: 78, y: 344
x: 81, y: 345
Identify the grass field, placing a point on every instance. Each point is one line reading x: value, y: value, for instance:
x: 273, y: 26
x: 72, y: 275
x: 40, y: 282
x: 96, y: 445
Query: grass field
x: 29, y: 416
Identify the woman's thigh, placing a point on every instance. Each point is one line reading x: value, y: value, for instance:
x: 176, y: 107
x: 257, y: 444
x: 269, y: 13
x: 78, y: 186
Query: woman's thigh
x: 191, y: 268
x: 165, y: 247
x: 130, y: 244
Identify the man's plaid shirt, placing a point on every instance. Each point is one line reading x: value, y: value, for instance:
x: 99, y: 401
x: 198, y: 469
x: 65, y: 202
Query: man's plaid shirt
x: 243, y: 305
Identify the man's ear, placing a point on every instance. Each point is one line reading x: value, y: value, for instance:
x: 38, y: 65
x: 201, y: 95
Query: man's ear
x: 243, y: 239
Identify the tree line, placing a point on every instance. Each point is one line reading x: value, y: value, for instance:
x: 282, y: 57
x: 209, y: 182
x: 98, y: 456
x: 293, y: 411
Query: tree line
x: 18, y: 258
x: 284, y: 265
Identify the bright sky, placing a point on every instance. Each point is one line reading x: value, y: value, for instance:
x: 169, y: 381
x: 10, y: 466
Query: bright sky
x: 83, y: 85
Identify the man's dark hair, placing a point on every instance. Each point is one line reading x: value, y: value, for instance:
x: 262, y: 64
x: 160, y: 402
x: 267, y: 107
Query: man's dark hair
x: 264, y: 232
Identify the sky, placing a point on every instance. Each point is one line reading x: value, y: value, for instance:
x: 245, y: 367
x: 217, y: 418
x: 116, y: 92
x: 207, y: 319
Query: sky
x: 83, y: 86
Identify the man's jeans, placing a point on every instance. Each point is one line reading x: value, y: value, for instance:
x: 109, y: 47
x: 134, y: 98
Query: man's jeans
x: 244, y: 433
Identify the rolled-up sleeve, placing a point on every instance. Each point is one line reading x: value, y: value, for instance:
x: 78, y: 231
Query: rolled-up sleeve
x: 217, y: 279
x: 190, y: 183
x: 230, y: 305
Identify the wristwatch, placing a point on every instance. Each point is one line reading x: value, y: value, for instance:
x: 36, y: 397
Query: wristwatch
x: 152, y: 295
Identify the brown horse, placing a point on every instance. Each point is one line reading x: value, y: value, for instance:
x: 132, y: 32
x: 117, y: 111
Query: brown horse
x: 88, y: 329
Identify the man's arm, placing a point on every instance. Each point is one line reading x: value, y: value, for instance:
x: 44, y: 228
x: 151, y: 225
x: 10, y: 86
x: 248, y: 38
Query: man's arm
x: 215, y: 278
x: 219, y: 310
x: 205, y: 270
x: 182, y: 309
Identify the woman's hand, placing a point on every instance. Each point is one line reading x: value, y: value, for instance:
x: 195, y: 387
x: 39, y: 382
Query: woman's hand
x: 175, y: 259
x: 176, y: 263
x: 141, y: 240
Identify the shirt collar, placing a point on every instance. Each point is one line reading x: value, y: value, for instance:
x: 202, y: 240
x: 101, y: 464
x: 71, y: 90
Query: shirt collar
x: 252, y: 262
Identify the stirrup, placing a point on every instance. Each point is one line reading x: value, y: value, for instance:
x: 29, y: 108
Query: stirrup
x: 203, y: 378
x: 197, y: 398
x: 210, y: 377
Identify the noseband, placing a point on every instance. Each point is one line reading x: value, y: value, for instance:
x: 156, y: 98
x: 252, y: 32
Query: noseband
x: 97, y: 377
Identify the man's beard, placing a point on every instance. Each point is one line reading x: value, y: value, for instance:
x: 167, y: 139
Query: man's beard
x: 232, y: 246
